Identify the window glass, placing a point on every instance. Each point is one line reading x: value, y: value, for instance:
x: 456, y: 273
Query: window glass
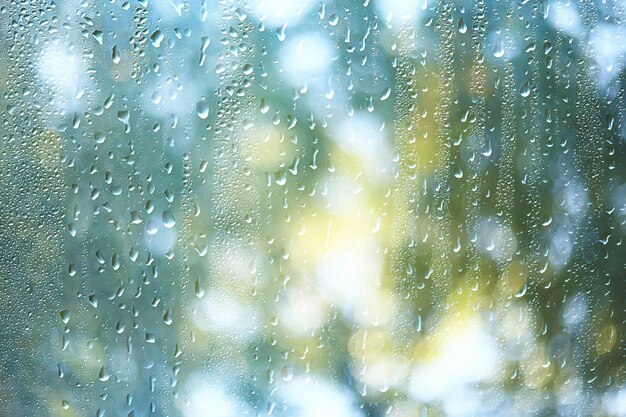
x: 299, y: 208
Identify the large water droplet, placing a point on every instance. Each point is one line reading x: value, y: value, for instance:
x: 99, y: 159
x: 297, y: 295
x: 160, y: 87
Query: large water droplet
x: 168, y: 219
x: 498, y: 47
x: 524, y: 90
x: 202, y: 108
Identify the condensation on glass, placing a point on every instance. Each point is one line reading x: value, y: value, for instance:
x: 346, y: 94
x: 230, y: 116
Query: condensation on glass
x: 298, y: 208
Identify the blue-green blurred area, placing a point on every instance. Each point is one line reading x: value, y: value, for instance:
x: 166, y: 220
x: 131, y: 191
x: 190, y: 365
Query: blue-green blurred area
x: 294, y: 208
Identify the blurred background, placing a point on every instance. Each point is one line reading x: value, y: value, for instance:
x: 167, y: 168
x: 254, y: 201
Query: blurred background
x: 303, y: 208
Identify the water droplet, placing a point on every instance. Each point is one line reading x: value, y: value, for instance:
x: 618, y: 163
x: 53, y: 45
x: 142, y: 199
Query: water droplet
x: 168, y: 219
x: 286, y: 373
x: 167, y: 317
x: 498, y: 47
x: 524, y: 90
x: 65, y: 316
x: 115, y: 55
x: 156, y: 38
x: 385, y: 94
x: 152, y: 227
x: 202, y: 108
x: 263, y: 106
x: 97, y: 35
x: 198, y: 289
x: 103, y: 375
x: 462, y: 26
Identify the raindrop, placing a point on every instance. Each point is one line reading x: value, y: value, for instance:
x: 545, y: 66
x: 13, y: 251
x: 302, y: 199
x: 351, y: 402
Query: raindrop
x: 248, y: 69
x: 103, y: 375
x: 524, y: 90
x: 152, y: 227
x: 198, y: 289
x: 167, y: 317
x: 156, y: 38
x: 168, y: 219
x: 115, y: 55
x: 498, y: 47
x: 462, y: 26
x: 385, y: 94
x: 202, y: 109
